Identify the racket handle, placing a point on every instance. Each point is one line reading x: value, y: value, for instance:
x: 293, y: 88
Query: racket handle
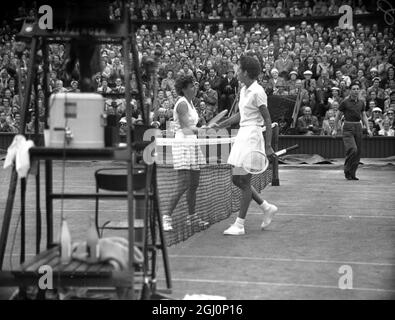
x: 284, y: 151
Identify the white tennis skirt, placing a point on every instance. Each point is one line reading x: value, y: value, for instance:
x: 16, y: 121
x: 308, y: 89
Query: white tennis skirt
x: 187, y: 156
x: 248, y: 139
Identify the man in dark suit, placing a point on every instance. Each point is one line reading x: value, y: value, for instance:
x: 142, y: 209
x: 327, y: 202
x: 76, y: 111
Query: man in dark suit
x: 311, y: 65
x: 214, y: 80
x: 308, y: 124
x: 227, y: 90
x: 335, y: 62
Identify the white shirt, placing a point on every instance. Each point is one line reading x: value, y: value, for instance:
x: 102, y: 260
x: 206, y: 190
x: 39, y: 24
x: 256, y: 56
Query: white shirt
x: 193, y: 117
x: 390, y: 132
x: 251, y: 99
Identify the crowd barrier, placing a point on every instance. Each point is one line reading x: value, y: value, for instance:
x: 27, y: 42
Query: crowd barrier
x: 329, y: 147
x: 325, y: 146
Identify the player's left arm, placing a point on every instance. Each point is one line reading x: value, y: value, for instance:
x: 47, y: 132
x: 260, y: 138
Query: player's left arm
x: 268, y: 133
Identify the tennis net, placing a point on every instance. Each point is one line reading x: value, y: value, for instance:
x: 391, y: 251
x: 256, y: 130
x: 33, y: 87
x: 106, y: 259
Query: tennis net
x: 217, y: 198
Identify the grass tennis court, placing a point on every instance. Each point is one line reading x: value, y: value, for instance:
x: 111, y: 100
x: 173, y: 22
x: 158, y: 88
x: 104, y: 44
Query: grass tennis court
x: 324, y: 222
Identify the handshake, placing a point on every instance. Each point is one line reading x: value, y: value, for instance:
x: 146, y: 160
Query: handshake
x: 211, y: 125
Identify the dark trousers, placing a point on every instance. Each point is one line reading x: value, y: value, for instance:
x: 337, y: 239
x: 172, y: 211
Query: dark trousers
x: 352, y: 139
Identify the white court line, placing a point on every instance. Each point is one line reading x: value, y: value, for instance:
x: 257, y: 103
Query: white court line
x: 324, y: 215
x: 284, y: 260
x: 278, y: 284
x: 264, y: 259
x: 253, y: 213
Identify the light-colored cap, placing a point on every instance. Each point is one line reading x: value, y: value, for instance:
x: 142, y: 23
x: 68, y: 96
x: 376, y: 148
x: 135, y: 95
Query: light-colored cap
x: 274, y: 70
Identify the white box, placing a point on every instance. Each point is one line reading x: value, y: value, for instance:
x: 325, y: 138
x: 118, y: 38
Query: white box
x: 82, y: 114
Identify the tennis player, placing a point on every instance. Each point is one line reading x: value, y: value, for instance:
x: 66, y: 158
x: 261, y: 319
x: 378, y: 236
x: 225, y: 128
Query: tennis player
x: 253, y: 114
x: 187, y: 158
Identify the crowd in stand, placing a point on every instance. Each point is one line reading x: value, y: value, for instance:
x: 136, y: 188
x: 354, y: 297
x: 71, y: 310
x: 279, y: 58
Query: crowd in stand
x: 305, y: 60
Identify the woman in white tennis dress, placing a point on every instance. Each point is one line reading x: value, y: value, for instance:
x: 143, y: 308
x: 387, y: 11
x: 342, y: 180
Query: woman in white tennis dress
x: 253, y: 114
x: 187, y: 156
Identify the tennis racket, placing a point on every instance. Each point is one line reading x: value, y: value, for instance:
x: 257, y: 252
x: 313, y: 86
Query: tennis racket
x: 218, y: 117
x: 256, y: 161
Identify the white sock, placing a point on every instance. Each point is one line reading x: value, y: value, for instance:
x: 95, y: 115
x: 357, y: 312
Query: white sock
x: 265, y: 205
x: 239, y: 222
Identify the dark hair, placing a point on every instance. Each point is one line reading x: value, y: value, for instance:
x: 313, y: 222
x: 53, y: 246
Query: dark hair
x: 355, y: 83
x: 251, y: 65
x: 182, y: 82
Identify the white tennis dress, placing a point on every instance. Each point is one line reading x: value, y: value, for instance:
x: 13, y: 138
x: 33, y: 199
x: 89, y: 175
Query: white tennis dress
x: 187, y: 156
x: 249, y: 136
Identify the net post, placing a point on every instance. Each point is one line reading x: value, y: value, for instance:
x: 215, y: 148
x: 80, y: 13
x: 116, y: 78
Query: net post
x: 275, y: 177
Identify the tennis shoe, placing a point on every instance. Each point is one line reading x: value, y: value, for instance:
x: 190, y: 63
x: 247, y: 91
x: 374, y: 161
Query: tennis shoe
x: 268, y: 215
x: 235, y: 230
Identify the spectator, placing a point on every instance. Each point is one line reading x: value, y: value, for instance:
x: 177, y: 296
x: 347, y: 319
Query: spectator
x: 328, y: 127
x: 4, y: 125
x: 372, y: 75
x: 276, y: 83
x: 119, y: 88
x: 117, y: 70
x: 377, y: 118
x: 349, y: 69
x: 376, y: 88
x: 307, y: 124
x: 311, y: 65
x: 391, y: 117
x: 186, y: 71
x: 283, y: 64
x: 386, y: 131
x: 74, y: 86
x: 168, y: 82
x: 370, y: 105
x: 104, y: 88
x: 210, y: 98
x: 228, y: 90
x: 324, y: 66
x: 362, y: 79
x: 308, y: 81
x: 373, y: 96
x: 335, y: 95
x: 291, y: 84
x: 213, y: 79
x: 59, y: 87
x: 328, y: 124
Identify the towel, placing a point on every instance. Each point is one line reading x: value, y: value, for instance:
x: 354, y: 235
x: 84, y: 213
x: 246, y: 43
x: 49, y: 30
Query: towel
x: 18, y: 152
x: 114, y: 250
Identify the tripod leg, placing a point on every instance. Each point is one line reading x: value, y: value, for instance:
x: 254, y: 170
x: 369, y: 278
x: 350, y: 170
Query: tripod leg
x: 7, y: 215
x: 23, y: 219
